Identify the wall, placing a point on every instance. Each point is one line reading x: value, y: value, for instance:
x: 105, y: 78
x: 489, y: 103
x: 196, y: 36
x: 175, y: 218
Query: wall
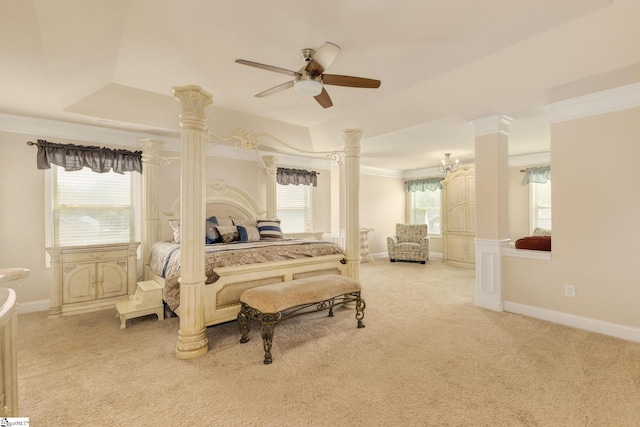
x: 22, y: 236
x: 595, y: 225
x: 382, y: 205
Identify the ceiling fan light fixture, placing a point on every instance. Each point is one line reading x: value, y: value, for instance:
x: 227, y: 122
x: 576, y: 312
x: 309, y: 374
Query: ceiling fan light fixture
x: 308, y: 86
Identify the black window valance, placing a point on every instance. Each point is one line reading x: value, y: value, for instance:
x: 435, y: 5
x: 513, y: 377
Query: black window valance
x: 100, y: 159
x: 297, y: 177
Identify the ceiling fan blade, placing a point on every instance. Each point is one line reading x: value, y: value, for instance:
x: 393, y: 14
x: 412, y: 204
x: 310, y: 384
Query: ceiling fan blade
x: 324, y: 99
x: 276, y: 89
x: 268, y: 67
x: 322, y: 59
x: 350, y: 81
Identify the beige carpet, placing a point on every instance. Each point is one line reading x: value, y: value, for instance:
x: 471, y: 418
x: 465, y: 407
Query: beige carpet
x: 427, y: 357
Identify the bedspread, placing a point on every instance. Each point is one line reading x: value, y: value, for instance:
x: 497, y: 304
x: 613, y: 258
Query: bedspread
x: 164, y: 259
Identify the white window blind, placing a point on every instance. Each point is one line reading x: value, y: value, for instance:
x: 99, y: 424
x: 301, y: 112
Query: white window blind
x: 92, y: 208
x: 540, y: 205
x: 425, y: 209
x: 294, y: 208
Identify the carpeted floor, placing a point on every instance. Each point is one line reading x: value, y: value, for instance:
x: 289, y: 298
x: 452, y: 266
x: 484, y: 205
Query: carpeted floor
x: 427, y: 357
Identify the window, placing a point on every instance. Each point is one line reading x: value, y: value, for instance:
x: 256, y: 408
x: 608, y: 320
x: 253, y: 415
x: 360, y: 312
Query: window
x: 540, y: 205
x: 294, y: 208
x: 425, y: 209
x: 89, y: 208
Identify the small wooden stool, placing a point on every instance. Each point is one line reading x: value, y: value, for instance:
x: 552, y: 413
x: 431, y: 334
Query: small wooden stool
x: 146, y: 300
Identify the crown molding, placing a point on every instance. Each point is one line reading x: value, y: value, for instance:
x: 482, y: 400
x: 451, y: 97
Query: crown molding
x: 387, y: 173
x: 530, y: 159
x: 421, y: 173
x: 607, y: 101
x: 48, y: 128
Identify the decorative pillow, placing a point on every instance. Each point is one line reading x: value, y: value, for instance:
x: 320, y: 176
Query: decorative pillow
x: 541, y: 232
x: 534, y: 243
x: 245, y: 222
x: 212, y: 233
x: 269, y: 228
x: 220, y: 220
x: 228, y: 233
x: 248, y: 234
x: 175, y: 227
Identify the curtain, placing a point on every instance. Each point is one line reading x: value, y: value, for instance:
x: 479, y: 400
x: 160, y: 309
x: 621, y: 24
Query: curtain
x: 297, y: 177
x: 431, y: 184
x: 99, y: 159
x: 539, y: 175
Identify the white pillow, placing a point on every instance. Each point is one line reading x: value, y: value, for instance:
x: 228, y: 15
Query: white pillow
x: 175, y: 227
x: 541, y: 232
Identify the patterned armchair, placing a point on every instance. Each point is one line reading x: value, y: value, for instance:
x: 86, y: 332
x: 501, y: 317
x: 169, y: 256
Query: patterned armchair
x: 409, y: 244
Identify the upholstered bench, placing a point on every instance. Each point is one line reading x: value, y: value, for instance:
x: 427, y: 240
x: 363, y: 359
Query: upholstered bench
x: 273, y: 303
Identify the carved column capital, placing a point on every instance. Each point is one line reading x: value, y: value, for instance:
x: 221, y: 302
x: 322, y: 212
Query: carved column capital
x: 193, y: 100
x: 352, y: 141
x: 150, y: 147
x: 271, y: 162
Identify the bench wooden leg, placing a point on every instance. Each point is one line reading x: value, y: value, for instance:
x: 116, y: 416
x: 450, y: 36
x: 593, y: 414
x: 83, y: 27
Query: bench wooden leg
x: 244, y: 323
x: 267, y: 324
x: 360, y: 305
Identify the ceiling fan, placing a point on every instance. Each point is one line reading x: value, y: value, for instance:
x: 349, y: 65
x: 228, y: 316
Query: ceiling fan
x: 310, y: 79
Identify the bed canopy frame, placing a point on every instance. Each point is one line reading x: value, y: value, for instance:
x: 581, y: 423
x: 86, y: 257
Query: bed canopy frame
x: 194, y: 135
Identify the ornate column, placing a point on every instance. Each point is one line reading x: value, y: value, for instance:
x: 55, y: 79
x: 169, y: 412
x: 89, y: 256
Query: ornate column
x: 337, y: 203
x: 192, y: 337
x: 271, y: 162
x: 151, y: 165
x: 352, y: 194
x: 492, y: 209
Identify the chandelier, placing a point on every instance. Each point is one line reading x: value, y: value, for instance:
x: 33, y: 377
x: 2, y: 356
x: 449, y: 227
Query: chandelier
x: 447, y: 165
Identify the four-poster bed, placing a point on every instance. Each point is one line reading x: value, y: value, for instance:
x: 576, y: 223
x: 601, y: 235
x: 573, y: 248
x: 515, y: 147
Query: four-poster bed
x: 201, y: 305
x: 237, y: 266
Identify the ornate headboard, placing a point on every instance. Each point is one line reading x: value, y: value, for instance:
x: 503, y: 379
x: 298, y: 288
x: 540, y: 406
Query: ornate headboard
x: 222, y: 200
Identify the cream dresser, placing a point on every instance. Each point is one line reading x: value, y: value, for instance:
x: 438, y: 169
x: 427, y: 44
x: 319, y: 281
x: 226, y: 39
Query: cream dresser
x: 459, y: 217
x: 90, y: 278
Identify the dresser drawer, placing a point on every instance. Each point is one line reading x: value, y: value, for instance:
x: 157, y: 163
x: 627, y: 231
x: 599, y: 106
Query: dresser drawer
x: 102, y: 255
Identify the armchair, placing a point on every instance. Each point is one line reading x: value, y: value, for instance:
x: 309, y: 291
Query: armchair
x: 409, y: 244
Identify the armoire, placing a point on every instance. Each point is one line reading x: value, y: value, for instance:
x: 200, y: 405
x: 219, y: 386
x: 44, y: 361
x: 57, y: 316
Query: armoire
x: 459, y: 217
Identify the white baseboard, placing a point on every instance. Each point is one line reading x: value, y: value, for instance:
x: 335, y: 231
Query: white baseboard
x: 489, y: 304
x: 380, y: 255
x: 33, y: 306
x: 432, y: 255
x: 586, y: 323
